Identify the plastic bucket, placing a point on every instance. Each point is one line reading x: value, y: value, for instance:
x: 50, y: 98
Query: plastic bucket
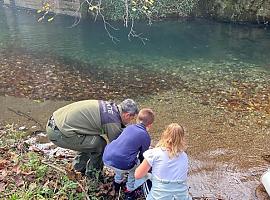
x: 265, y: 179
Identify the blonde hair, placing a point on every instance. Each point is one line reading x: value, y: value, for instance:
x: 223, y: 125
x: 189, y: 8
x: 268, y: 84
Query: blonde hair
x: 146, y: 116
x: 173, y: 139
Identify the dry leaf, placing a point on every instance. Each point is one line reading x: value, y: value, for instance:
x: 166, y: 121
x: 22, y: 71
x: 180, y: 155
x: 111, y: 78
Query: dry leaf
x: 18, y: 180
x: 2, y: 187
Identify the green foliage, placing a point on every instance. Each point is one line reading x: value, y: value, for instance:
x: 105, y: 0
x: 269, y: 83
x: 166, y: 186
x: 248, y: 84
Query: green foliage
x: 67, y: 184
x: 13, y: 133
x: 176, y: 7
x: 143, y: 9
x: 45, y: 184
x: 14, y: 197
x: 41, y: 171
x: 33, y: 162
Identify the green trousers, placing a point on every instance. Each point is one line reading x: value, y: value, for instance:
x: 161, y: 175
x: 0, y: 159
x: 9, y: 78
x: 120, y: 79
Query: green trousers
x: 90, y: 149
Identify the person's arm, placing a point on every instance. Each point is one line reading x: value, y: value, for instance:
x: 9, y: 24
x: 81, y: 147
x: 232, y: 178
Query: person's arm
x: 142, y: 169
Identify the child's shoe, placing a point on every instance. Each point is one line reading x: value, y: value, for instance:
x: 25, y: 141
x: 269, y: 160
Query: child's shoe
x: 139, y: 192
x: 130, y: 195
x: 117, y: 186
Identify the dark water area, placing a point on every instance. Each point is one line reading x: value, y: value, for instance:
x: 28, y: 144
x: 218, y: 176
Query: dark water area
x: 215, y: 76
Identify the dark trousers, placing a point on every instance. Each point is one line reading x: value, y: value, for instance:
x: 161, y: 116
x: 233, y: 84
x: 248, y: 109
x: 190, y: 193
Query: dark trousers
x: 90, y: 149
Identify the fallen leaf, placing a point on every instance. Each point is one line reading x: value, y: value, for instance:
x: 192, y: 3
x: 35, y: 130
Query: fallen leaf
x: 18, y: 181
x: 2, y: 187
x: 16, y: 169
x: 3, y: 164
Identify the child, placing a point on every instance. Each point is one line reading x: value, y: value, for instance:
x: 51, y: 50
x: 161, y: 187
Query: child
x: 169, y: 165
x: 122, y: 153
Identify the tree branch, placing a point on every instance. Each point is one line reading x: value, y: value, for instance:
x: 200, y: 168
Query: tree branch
x: 26, y: 116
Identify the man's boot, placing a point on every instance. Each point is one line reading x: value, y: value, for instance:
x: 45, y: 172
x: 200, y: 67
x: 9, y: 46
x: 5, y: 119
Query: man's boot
x: 80, y: 161
x: 94, y: 167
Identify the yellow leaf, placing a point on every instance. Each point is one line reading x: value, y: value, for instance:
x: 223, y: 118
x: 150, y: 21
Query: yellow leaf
x: 50, y: 19
x: 39, y: 11
x: 40, y: 19
x: 145, y: 8
x: 93, y: 8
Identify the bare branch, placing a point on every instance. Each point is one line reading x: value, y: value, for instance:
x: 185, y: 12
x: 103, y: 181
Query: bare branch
x: 20, y: 113
x: 132, y: 33
x: 126, y: 16
x: 96, y: 7
x: 78, y: 15
x: 106, y: 24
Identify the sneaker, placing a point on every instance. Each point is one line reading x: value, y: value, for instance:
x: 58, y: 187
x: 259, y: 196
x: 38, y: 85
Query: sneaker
x: 130, y: 195
x: 117, y: 186
x: 138, y: 192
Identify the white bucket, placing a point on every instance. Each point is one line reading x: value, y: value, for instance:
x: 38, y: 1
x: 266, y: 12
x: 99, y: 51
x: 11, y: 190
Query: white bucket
x: 265, y: 179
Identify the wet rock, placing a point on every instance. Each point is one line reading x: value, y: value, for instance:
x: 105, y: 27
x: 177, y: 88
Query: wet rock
x: 22, y: 128
x: 266, y: 158
x: 205, y: 103
x: 231, y: 123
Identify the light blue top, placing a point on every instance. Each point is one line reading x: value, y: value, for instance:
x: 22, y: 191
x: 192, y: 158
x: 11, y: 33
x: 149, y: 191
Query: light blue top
x: 165, y: 168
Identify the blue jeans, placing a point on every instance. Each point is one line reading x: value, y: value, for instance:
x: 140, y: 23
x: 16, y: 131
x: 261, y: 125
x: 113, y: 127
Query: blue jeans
x: 131, y: 184
x: 119, y: 176
x: 168, y: 190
